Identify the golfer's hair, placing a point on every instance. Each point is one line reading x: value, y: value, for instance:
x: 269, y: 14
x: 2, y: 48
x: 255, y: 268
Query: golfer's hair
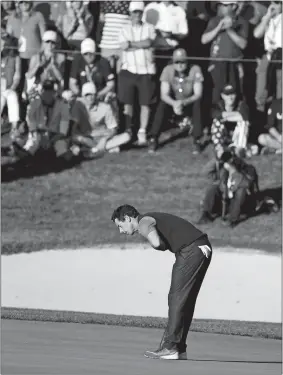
x: 125, y: 210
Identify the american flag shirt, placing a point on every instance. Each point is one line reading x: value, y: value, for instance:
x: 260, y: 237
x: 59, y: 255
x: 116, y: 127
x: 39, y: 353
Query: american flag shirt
x: 116, y: 16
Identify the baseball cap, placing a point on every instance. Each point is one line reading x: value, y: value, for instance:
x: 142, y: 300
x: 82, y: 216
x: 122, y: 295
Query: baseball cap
x: 88, y: 46
x: 88, y: 88
x: 136, y: 5
x: 49, y: 35
x: 228, y: 90
x: 180, y: 55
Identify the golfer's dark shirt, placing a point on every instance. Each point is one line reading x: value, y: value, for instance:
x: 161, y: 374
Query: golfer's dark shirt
x: 176, y: 232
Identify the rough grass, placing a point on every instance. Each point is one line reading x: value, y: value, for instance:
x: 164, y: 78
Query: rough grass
x: 73, y: 208
x: 226, y: 327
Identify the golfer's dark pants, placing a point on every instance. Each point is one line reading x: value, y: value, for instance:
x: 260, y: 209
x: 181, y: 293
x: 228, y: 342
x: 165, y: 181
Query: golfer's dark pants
x: 164, y: 111
x: 187, y: 276
x: 213, y: 201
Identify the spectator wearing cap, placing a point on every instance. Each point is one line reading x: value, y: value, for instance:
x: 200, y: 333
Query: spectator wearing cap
x: 48, y: 122
x: 227, y: 33
x: 89, y: 67
x: 230, y: 126
x: 114, y: 15
x: 76, y: 24
x: 28, y: 26
x: 272, y: 141
x: 137, y: 69
x: 181, y: 91
x: 171, y: 26
x: 96, y: 126
x: 47, y: 64
x: 270, y: 75
x: 10, y: 79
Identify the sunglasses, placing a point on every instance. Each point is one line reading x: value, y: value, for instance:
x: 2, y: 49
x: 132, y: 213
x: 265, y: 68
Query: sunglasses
x: 23, y: 2
x: 50, y: 42
x: 180, y: 62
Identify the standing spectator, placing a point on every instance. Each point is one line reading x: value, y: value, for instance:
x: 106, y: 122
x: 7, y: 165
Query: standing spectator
x: 76, y: 24
x: 8, y: 8
x: 272, y: 141
x: 138, y: 69
x: 227, y: 34
x: 114, y: 15
x: 171, y: 25
x: 10, y: 79
x: 270, y: 28
x: 89, y: 67
x: 28, y: 27
x: 47, y: 64
x: 230, y: 126
x: 181, y: 91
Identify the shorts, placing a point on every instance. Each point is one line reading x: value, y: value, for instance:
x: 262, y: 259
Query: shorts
x: 129, y: 83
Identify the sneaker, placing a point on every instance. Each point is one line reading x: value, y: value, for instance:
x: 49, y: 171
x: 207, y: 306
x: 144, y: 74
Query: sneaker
x: 142, y: 141
x: 152, y: 145
x: 162, y: 354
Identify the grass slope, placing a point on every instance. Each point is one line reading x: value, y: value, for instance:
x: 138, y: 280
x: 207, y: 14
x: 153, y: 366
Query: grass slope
x: 225, y: 327
x: 73, y: 208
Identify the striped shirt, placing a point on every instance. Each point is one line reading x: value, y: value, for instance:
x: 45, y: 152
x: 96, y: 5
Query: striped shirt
x: 115, y: 17
x: 138, y: 61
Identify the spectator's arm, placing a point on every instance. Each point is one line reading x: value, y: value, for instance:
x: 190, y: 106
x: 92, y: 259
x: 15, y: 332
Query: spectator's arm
x: 56, y: 71
x: 9, y: 27
x: 110, y: 85
x: 211, y: 32
x: 74, y: 86
x: 34, y: 65
x: 275, y: 133
x: 197, y: 88
x: 262, y: 27
x: 87, y: 22
x: 183, y: 27
x: 237, y: 39
x: 41, y: 25
x: 165, y: 93
x: 64, y: 119
x: 17, y: 74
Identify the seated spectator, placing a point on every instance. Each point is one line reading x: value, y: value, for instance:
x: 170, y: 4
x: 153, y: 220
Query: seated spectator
x: 230, y: 126
x: 28, y: 26
x: 233, y: 191
x: 89, y: 67
x: 227, y: 34
x: 47, y: 64
x: 95, y: 126
x: 181, y: 90
x: 48, y: 122
x: 10, y: 79
x: 272, y: 141
x: 76, y: 24
x: 114, y: 15
x: 270, y: 28
x: 171, y: 26
x: 137, y: 69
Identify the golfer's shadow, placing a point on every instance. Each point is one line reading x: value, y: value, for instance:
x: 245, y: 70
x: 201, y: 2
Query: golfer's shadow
x: 232, y: 361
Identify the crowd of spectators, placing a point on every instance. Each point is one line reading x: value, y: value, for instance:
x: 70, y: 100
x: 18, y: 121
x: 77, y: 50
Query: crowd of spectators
x: 83, y: 77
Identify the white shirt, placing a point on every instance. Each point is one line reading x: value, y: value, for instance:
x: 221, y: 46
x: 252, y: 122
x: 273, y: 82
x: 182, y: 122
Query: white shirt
x: 170, y: 18
x: 273, y: 34
x: 138, y: 61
